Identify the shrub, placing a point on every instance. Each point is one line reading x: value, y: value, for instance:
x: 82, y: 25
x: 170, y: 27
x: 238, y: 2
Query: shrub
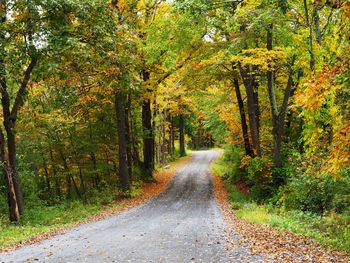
x: 231, y: 161
x: 259, y: 176
x: 316, y: 194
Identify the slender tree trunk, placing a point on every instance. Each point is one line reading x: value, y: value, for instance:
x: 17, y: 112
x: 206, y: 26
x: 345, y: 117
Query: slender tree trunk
x: 82, y: 188
x: 252, y: 111
x: 13, y: 189
x: 11, y: 194
x: 11, y: 145
x: 96, y: 174
x: 169, y: 130
x: 154, y: 117
x: 311, y: 45
x: 182, y: 135
x: 276, y: 131
x: 54, y: 170
x: 244, y: 125
x: 10, y: 117
x: 47, y: 175
x: 123, y: 162
x: 316, y: 18
x: 148, y: 135
x: 7, y: 172
x: 172, y: 139
x: 164, y: 139
x: 127, y: 135
x: 75, y: 186
x: 256, y: 100
x: 68, y: 186
x: 277, y: 117
x: 96, y: 177
x: 135, y: 144
x: 68, y: 175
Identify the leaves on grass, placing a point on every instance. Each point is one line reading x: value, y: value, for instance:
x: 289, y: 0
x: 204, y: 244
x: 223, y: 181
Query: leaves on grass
x: 276, y: 244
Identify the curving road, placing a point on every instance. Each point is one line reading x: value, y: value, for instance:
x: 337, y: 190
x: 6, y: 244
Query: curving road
x: 183, y: 224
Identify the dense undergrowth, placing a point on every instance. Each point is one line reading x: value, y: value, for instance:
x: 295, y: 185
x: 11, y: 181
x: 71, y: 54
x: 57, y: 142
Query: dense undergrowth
x: 316, y: 207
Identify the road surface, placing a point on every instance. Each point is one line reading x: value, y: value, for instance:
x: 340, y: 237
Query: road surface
x: 183, y: 224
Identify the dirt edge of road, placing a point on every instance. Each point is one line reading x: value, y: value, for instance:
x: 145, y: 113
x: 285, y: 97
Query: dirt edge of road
x: 278, y: 245
x: 162, y: 178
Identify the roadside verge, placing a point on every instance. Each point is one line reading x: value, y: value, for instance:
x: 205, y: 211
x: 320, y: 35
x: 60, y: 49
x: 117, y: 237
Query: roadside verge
x: 276, y: 244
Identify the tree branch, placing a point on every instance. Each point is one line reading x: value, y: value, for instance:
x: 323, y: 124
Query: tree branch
x: 22, y: 88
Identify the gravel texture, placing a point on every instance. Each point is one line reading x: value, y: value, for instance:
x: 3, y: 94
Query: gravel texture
x: 182, y: 224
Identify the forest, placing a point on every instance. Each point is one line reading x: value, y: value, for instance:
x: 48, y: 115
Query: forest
x: 98, y: 95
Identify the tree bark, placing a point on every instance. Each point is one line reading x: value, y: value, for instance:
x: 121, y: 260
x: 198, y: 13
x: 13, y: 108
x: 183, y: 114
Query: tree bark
x: 124, y: 176
x: 68, y: 175
x: 182, y: 135
x: 148, y: 135
x: 93, y: 159
x: 248, y: 82
x: 54, y: 170
x: 172, y: 134
x: 244, y: 125
x: 16, y: 200
x: 311, y: 45
x: 127, y: 135
x: 276, y: 132
x: 277, y: 116
x: 11, y: 146
x: 11, y: 194
x: 47, y: 175
x: 10, y: 117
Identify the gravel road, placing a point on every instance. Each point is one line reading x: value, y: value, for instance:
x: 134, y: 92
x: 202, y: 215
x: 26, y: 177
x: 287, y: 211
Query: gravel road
x: 183, y: 224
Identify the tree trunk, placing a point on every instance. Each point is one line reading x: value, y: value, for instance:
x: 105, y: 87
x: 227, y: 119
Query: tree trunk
x: 123, y: 162
x: 127, y: 135
x: 256, y: 99
x: 11, y: 145
x: 68, y: 176
x: 277, y: 116
x: 96, y: 176
x: 148, y: 135
x: 46, y: 170
x: 248, y: 82
x: 11, y: 194
x: 54, y: 170
x: 82, y: 188
x: 244, y: 125
x: 182, y: 135
x: 172, y: 134
x: 134, y: 142
x: 311, y: 46
x: 276, y: 131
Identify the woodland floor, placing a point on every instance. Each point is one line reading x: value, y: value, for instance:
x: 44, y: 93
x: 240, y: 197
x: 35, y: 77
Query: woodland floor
x: 182, y: 224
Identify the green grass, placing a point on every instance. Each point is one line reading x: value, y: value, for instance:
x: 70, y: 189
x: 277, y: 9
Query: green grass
x: 331, y: 230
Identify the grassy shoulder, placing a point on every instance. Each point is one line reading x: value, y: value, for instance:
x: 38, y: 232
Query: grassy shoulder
x: 41, y: 222
x: 330, y: 230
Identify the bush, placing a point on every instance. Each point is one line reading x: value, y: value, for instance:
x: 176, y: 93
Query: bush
x: 231, y: 162
x: 316, y: 194
x: 258, y: 176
